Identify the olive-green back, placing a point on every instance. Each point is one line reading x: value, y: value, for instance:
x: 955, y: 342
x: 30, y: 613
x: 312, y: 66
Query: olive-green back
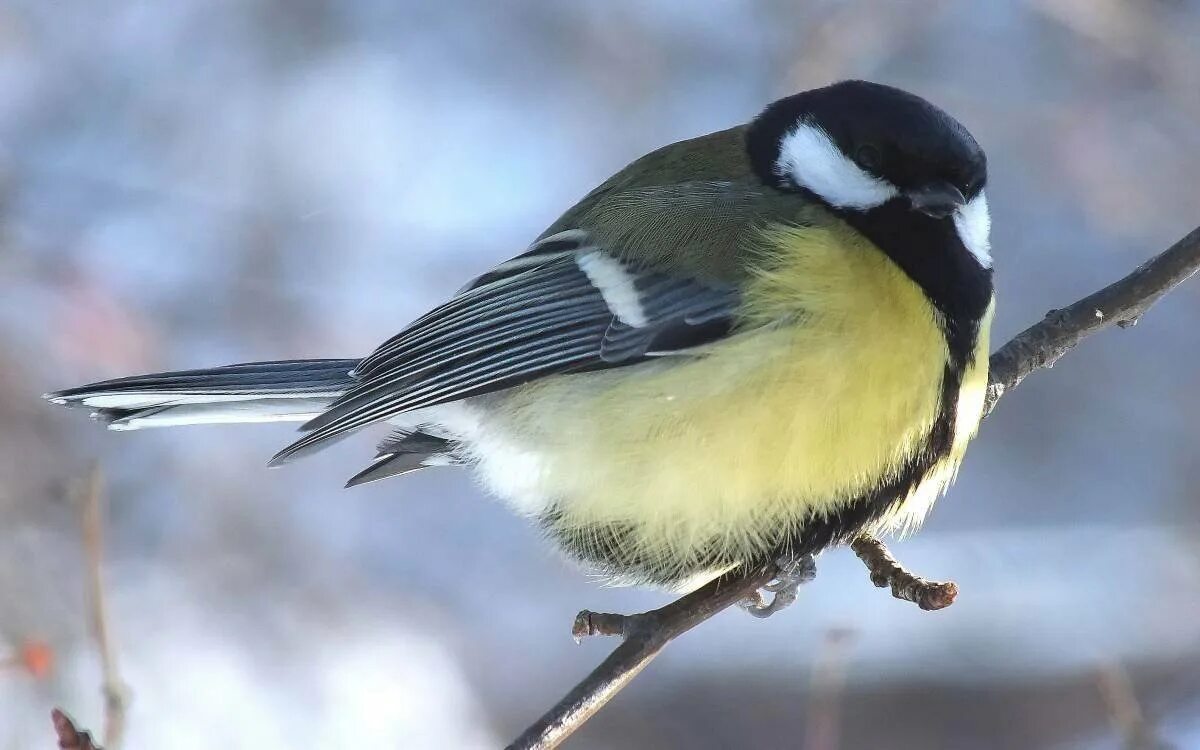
x: 696, y: 202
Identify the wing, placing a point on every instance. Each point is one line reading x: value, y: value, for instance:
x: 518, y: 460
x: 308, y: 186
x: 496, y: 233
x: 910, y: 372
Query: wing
x: 567, y: 305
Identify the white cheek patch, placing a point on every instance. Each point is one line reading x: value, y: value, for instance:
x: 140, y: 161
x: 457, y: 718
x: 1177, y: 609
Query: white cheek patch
x: 974, y: 224
x: 810, y: 157
x: 615, y: 284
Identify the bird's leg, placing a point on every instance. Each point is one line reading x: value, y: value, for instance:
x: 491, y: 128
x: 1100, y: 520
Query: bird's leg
x: 793, y: 573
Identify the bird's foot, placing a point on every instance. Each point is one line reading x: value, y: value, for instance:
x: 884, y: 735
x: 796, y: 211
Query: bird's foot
x: 793, y: 573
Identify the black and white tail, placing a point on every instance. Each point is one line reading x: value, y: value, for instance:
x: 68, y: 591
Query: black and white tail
x: 286, y: 391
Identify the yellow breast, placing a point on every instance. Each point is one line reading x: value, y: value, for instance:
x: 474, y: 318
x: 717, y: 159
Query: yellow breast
x: 830, y: 389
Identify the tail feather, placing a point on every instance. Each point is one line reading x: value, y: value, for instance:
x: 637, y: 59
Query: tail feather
x: 404, y: 452
x: 291, y: 391
x: 385, y: 467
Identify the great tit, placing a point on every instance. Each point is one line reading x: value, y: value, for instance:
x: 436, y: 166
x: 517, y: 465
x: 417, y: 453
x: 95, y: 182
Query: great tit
x: 742, y: 347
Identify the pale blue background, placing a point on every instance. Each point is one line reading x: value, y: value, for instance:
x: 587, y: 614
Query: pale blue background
x: 190, y: 183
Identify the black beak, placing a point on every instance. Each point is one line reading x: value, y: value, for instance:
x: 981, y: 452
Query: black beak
x: 937, y: 199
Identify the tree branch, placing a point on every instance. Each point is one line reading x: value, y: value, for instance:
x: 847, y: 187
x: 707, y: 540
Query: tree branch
x: 1041, y: 345
x: 1122, y: 304
x: 642, y: 637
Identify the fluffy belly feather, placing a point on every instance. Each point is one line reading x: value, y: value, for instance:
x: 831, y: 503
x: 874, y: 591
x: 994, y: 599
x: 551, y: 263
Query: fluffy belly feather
x: 665, y: 470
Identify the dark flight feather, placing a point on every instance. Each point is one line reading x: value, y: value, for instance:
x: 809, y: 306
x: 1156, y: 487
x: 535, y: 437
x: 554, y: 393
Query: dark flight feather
x: 538, y: 315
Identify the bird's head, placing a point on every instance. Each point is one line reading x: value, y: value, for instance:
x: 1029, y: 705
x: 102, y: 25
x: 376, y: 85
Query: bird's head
x: 858, y: 146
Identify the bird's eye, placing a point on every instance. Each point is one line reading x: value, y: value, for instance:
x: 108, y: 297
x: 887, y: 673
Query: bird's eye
x: 868, y: 156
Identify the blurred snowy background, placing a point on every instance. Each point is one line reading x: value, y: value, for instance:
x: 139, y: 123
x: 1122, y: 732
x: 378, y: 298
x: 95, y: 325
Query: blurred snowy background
x: 190, y: 183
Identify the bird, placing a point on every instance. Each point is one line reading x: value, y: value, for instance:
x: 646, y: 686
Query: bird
x: 741, y: 349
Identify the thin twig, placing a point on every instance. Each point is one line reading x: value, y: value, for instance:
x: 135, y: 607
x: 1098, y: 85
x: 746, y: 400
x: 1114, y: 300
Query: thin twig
x: 886, y: 571
x: 92, y: 518
x: 1040, y: 345
x: 1121, y: 303
x: 69, y: 736
x: 822, y: 730
x: 643, y: 636
x: 1124, y: 710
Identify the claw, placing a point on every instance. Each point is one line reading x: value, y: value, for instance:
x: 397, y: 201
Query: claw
x: 757, y: 607
x: 793, y: 573
x: 800, y: 570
